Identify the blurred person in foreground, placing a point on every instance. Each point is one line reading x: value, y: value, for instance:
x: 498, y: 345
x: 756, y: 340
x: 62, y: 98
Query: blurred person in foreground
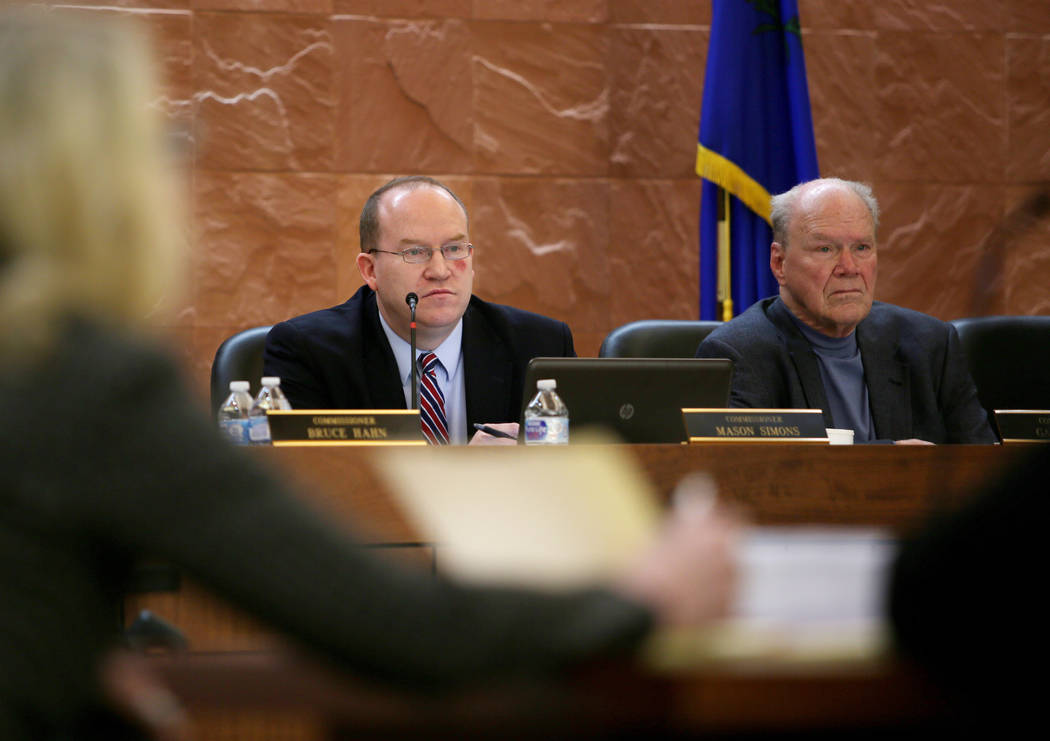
x: 104, y: 459
x: 964, y: 601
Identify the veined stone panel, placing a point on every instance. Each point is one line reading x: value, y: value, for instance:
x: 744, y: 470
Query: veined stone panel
x: 543, y: 246
x: 1028, y: 104
x: 941, y: 99
x: 128, y: 4
x: 840, y: 64
x: 930, y: 244
x: 653, y: 243
x: 264, y: 91
x: 353, y: 191
x: 264, y: 246
x: 541, y: 99
x: 1025, y: 284
x: 836, y: 16
x: 656, y: 76
x: 406, y: 8
x: 663, y: 12
x: 274, y: 6
x: 947, y: 15
x: 559, y: 11
x: 1028, y: 16
x: 405, y: 93
x: 167, y: 25
x: 171, y: 34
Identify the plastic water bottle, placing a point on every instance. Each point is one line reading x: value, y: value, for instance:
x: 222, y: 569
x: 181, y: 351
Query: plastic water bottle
x: 233, y: 414
x: 546, y: 416
x: 270, y: 397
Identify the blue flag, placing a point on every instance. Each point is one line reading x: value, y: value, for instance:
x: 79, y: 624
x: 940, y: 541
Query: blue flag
x: 756, y: 139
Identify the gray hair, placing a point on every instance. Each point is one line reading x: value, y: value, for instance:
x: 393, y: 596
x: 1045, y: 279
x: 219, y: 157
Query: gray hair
x: 783, y: 204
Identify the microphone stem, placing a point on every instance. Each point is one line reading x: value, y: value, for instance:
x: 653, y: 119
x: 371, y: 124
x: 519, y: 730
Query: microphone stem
x: 415, y: 370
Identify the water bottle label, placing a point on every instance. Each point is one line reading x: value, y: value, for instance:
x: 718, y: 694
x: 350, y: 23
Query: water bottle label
x: 547, y: 430
x: 259, y: 430
x: 236, y: 430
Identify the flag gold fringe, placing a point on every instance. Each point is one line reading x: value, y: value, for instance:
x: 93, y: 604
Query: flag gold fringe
x: 728, y: 175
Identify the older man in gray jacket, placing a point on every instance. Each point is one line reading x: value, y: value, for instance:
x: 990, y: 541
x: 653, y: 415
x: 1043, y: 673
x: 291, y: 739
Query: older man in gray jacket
x: 887, y: 373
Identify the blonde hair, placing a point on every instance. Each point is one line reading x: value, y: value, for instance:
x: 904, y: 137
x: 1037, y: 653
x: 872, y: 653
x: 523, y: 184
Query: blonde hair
x: 87, y: 209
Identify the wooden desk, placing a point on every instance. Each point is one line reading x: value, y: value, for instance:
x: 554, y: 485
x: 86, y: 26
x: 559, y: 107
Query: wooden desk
x: 889, y: 486
x: 610, y: 700
x: 885, y: 485
x: 882, y: 485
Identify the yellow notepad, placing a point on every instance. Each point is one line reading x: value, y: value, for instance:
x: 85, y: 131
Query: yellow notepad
x: 546, y: 517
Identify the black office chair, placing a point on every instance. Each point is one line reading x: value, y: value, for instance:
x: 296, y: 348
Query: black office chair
x: 657, y: 338
x: 239, y: 358
x: 1009, y: 358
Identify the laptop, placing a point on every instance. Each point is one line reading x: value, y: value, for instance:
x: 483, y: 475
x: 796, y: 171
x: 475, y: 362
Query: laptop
x: 639, y: 399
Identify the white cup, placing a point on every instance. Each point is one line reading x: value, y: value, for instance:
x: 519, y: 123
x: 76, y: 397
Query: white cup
x: 839, y: 437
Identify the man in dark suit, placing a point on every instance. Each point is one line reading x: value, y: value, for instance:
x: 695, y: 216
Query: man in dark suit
x: 414, y: 239
x: 885, y: 372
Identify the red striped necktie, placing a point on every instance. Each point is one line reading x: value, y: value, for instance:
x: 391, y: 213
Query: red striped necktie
x: 432, y: 402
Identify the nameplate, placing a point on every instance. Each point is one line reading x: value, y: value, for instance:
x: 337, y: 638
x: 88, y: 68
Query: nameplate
x: 1023, y: 425
x: 755, y: 425
x: 345, y: 427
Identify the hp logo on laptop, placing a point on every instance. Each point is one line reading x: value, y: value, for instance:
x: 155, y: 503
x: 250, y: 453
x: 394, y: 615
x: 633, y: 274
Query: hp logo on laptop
x: 626, y: 411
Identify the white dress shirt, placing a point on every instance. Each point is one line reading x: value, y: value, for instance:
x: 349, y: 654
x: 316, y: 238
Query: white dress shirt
x: 449, y: 376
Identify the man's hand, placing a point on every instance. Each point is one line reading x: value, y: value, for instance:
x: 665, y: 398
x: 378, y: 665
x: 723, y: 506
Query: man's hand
x: 689, y: 574
x: 912, y: 441
x: 483, y: 438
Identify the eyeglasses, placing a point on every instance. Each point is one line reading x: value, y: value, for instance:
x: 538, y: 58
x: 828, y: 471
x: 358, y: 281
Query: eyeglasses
x: 421, y: 254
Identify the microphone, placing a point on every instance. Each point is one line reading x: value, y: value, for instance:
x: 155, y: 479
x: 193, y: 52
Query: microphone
x: 412, y: 299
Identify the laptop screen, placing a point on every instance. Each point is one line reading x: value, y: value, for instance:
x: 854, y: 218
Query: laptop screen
x: 639, y: 399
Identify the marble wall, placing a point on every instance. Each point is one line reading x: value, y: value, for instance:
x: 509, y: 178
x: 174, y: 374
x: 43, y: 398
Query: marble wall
x: 569, y: 128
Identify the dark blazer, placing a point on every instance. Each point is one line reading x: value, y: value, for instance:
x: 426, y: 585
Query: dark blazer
x: 919, y: 385
x: 339, y: 358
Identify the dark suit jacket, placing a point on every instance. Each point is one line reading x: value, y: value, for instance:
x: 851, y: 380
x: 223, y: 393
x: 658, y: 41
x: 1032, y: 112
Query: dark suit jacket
x: 919, y: 385
x: 339, y: 358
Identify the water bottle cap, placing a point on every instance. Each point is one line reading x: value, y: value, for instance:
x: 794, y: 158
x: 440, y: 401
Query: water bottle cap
x: 547, y: 384
x: 271, y: 380
x: 238, y: 385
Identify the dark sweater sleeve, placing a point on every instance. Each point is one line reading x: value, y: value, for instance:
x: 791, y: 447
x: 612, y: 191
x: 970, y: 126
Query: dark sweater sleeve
x: 161, y: 480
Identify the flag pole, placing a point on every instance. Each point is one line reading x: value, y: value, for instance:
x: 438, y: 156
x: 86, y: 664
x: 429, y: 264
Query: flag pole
x: 755, y: 139
x: 725, y: 293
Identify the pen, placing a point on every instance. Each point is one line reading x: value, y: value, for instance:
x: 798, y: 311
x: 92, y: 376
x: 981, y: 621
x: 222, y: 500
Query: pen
x: 493, y: 431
